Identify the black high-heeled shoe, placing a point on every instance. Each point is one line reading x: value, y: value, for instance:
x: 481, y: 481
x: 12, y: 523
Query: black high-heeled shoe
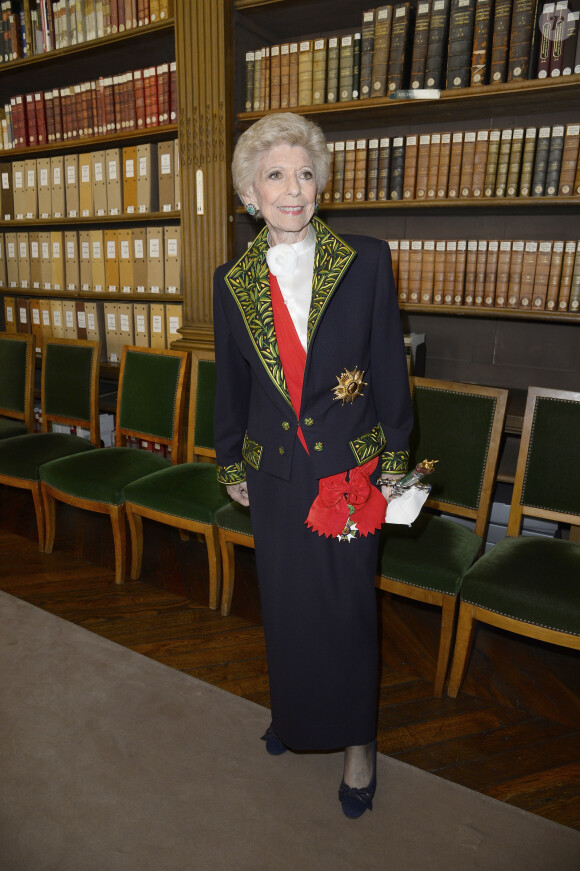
x: 274, y: 746
x: 356, y: 801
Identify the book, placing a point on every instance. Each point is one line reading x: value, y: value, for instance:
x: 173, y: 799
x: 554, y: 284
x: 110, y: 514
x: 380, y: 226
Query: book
x: 571, y: 43
x: 460, y: 267
x: 427, y: 272
x: 338, y: 171
x: 415, y: 271
x: 568, y: 260
x: 423, y: 160
x: 381, y: 51
x: 515, y: 279
x: 570, y: 154
x: 349, y: 169
x: 420, y: 44
x: 480, y: 163
x: 403, y: 271
x: 327, y: 192
x: 410, y: 167
x: 523, y: 22
x: 545, y: 23
x: 384, y: 168
x: 467, y: 164
x: 528, y: 274
x: 360, y: 170
x: 503, y: 273
x: 554, y: 276
x: 500, y: 41
x: 293, y: 76
x: 318, y: 73
x: 305, y: 72
x: 541, y: 277
x: 367, y: 50
x: 482, y: 36
x: 397, y: 169
x: 541, y: 162
x: 435, y: 64
x: 460, y: 48
x: 372, y: 170
x: 345, y: 69
x: 528, y: 156
x: 455, y: 165
x: 557, y: 42
x: 276, y: 77
x: 555, y: 153
x: 470, y: 272
x: 285, y: 75
x: 479, y: 286
x: 574, y: 298
x: 332, y: 71
x: 356, y: 52
x: 515, y: 162
x: 433, y: 167
x: 265, y: 80
x: 439, y: 272
x: 503, y: 162
x: 401, y: 47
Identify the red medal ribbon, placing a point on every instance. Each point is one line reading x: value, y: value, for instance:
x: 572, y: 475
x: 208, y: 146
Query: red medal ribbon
x: 332, y: 507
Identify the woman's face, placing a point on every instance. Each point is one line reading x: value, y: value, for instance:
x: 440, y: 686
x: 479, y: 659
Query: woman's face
x: 285, y: 191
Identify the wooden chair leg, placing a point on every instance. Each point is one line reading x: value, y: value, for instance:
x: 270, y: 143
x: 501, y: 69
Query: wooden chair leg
x: 448, y: 612
x: 136, y: 531
x: 49, y: 519
x: 183, y: 534
x: 38, y: 500
x: 215, y: 573
x: 117, y: 515
x: 228, y: 572
x: 463, y: 643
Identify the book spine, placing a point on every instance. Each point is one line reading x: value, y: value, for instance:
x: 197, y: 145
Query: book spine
x: 490, y: 283
x: 437, y: 44
x: 265, y: 80
x: 332, y: 72
x: 139, y: 89
x: 568, y: 260
x: 305, y: 70
x: 455, y: 165
x: 541, y: 162
x: 480, y: 272
x: 524, y: 13
x: 397, y: 172
x: 450, y: 272
x: 285, y: 75
x: 318, y: 72
x: 327, y: 192
x: 540, y: 288
x: 460, y: 269
x: 503, y: 273
x: 503, y: 162
x: 345, y: 75
x: 482, y: 35
x: 292, y: 76
x: 423, y: 157
x: 338, y: 171
x: 569, y: 160
x: 516, y: 265
x: 349, y: 169
x: 384, y: 172
x: 545, y: 44
x: 40, y: 112
x: 382, y: 44
x: 515, y: 162
x: 461, y: 25
x: 410, y: 170
x: 555, y: 154
x: 557, y: 44
x: 528, y: 156
x: 470, y: 272
x: 480, y: 163
x: 574, y: 299
x: 367, y: 49
x: 420, y: 44
x: 401, y: 47
x: 433, y: 167
x: 372, y: 170
x: 257, y: 80
x: 570, y: 43
x: 528, y: 274
x: 356, y: 53
x: 500, y: 41
x: 360, y: 170
x: 443, y: 166
x: 467, y: 164
x: 554, y: 276
x: 403, y: 276
x: 415, y: 270
x: 439, y: 273
x: 427, y: 272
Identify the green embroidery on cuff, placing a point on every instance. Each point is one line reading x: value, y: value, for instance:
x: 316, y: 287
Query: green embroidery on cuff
x: 252, y: 452
x: 394, y: 461
x: 233, y: 474
x: 369, y: 445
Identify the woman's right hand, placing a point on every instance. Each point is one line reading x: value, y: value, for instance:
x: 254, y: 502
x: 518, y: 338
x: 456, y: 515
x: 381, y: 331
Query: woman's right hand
x: 239, y: 493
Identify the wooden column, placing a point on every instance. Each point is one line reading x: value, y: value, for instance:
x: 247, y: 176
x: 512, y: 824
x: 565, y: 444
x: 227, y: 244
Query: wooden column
x: 203, y: 48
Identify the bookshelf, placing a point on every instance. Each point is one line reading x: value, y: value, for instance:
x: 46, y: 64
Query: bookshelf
x: 496, y: 346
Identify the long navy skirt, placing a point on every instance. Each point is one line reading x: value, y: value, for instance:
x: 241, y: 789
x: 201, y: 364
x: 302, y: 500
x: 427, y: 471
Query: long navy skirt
x: 320, y: 617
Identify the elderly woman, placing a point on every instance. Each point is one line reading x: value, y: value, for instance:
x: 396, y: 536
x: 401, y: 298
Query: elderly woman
x: 312, y: 416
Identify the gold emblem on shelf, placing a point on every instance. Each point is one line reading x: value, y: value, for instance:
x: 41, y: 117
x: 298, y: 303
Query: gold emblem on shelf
x: 350, y: 385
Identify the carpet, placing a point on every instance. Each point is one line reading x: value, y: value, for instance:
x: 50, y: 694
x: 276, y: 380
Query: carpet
x: 110, y: 761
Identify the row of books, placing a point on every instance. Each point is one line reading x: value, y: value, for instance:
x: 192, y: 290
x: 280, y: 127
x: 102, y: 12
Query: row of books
x: 134, y: 180
x: 437, y: 44
x: 137, y: 260
x: 518, y: 162
x: 133, y: 100
x: 149, y: 325
x: 520, y: 274
x: 30, y: 27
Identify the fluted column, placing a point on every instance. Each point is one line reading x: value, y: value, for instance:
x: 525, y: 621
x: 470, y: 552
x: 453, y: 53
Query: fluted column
x: 203, y: 45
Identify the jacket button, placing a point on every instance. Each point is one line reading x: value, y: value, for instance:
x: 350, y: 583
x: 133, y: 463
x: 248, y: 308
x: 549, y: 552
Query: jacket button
x: 308, y: 421
x: 281, y: 450
x: 318, y: 446
x: 285, y: 425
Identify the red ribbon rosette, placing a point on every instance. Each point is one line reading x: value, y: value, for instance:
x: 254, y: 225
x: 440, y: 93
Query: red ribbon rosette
x: 353, y: 501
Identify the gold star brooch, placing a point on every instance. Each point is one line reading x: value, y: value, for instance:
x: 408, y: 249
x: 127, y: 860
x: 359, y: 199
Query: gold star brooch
x: 350, y: 385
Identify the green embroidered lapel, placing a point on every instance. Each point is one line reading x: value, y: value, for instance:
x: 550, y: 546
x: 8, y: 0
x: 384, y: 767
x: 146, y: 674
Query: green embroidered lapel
x: 249, y: 284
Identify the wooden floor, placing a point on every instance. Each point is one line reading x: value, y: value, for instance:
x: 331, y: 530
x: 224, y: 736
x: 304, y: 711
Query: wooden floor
x: 513, y: 732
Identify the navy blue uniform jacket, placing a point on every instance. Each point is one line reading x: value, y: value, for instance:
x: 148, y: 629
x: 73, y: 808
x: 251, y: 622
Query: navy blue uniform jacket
x: 354, y: 325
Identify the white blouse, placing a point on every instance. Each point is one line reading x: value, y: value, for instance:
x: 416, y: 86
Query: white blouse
x: 293, y: 266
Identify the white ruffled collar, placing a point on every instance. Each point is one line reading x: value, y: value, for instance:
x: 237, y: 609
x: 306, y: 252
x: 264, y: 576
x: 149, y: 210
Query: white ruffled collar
x: 283, y: 259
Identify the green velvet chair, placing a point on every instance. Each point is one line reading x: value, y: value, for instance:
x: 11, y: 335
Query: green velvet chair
x: 70, y: 397
x: 149, y: 409
x: 530, y: 584
x: 17, y: 364
x: 460, y: 426
x: 186, y: 496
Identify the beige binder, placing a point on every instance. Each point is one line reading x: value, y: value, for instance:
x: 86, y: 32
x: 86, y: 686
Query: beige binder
x: 57, y: 260
x: 112, y: 333
x: 126, y: 325
x: 173, y: 321
x: 44, y: 182
x: 86, y: 185
x: 97, y: 260
x: 147, y: 178
x: 30, y: 189
x: 85, y: 267
x: 45, y: 318
x: 56, y: 318
x: 71, y: 182
x: 157, y: 335
x: 111, y: 261
x: 130, y: 179
x: 141, y: 328
x: 45, y: 260
x: 35, y: 265
x: 11, y: 242
x: 23, y: 259
x: 95, y: 325
x: 155, y: 265
x: 125, y: 255
x: 58, y: 186
x: 10, y: 315
x: 36, y: 324
x: 172, y: 249
x: 139, y: 249
x: 69, y: 318
x: 18, y: 176
x: 114, y: 177
x: 100, y: 207
x: 71, y: 261
x: 177, y: 176
x: 3, y: 275
x: 165, y: 158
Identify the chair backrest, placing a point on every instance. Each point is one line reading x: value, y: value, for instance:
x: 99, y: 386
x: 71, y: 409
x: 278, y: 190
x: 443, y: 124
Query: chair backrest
x: 547, y: 482
x: 17, y: 363
x: 70, y: 384
x: 200, y: 441
x: 460, y: 426
x: 151, y: 397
